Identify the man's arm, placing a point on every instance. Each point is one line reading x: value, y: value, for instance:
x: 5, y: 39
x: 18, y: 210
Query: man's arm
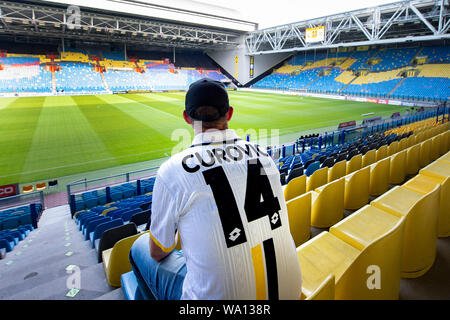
x: 163, y: 227
x: 157, y: 253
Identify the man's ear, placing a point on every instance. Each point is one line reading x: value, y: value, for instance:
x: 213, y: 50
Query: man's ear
x: 230, y: 113
x: 186, y: 117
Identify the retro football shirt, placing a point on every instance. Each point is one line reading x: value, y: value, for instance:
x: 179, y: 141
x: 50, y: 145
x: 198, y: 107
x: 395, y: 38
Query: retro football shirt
x: 224, y: 196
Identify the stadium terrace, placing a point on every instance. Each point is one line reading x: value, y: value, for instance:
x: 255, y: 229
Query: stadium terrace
x: 358, y: 102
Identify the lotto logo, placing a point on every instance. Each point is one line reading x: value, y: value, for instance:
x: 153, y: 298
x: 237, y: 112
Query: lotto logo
x: 234, y: 234
x: 8, y: 190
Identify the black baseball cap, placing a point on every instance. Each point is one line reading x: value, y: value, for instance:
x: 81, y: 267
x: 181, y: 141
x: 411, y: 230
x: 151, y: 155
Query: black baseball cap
x: 206, y: 93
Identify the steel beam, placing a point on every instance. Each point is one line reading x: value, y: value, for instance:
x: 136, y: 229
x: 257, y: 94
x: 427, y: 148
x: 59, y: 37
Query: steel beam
x: 388, y: 23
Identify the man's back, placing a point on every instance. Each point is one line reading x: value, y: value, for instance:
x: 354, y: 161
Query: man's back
x: 224, y: 197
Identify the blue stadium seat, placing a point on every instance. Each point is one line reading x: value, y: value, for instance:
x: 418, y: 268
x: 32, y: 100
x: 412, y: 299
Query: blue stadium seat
x: 93, y: 224
x: 128, y: 214
x: 7, y: 242
x: 100, y: 228
x: 312, y: 168
x: 130, y: 287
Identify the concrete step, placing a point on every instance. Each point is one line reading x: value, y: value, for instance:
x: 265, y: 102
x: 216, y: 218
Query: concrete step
x: 93, y: 284
x: 37, y: 268
x: 116, y: 294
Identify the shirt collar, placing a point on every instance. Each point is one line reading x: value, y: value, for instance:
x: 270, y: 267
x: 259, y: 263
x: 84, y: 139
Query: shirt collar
x: 215, y: 136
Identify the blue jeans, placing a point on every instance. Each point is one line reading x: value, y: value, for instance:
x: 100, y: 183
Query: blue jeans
x: 157, y: 280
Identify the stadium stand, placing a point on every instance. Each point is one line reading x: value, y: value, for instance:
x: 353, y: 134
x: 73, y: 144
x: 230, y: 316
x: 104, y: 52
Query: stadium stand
x: 21, y: 74
x: 78, y: 77
x: 94, y: 71
x: 15, y: 225
x: 20, y: 216
x: 382, y: 72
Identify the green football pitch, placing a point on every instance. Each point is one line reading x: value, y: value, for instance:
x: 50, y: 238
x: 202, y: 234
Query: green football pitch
x: 56, y: 136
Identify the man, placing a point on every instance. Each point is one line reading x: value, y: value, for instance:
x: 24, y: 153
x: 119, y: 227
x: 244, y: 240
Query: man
x: 224, y: 198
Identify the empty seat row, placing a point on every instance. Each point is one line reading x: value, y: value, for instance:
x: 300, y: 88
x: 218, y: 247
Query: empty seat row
x: 324, y: 195
x: 112, y: 229
x: 404, y: 157
x: 393, y: 237
x: 100, y: 197
x: 20, y: 216
x: 10, y: 238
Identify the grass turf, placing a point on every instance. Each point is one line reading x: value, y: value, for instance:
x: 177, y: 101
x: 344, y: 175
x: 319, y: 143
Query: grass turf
x: 55, y: 136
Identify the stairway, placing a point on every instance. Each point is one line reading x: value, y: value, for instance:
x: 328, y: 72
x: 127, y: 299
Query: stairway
x: 53, y: 83
x: 396, y: 86
x: 36, y: 269
x: 105, y: 83
x: 311, y: 82
x: 345, y: 87
x: 290, y: 76
x: 416, y: 55
x: 148, y: 82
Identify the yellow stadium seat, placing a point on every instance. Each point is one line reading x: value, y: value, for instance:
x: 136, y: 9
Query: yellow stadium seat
x: 411, y: 140
x: 397, y: 170
x: 435, y: 146
x: 368, y: 158
x: 116, y: 260
x: 418, y: 138
x: 104, y: 212
x: 424, y: 154
x: 425, y: 184
x: 317, y: 179
x: 381, y: 153
x: 299, y: 213
x: 412, y: 159
x: 328, y: 204
x: 295, y: 188
x: 357, y: 189
x: 321, y: 256
x: 427, y: 134
x: 337, y: 170
x: 445, y: 157
x: 354, y: 164
x: 325, y: 291
x: 421, y: 212
x: 403, y: 144
x: 379, y: 177
x: 439, y: 169
x: 379, y: 237
x: 352, y: 262
x: 392, y: 148
x: 444, y: 146
x: 446, y: 139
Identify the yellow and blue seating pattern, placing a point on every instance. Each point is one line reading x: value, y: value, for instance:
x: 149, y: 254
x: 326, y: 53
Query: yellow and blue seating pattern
x: 368, y: 72
x: 394, y: 235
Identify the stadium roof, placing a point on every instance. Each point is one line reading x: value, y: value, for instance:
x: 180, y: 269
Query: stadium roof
x: 135, y: 22
x: 398, y: 22
x: 180, y: 11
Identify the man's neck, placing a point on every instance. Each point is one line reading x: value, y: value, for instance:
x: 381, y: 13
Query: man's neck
x: 199, y: 129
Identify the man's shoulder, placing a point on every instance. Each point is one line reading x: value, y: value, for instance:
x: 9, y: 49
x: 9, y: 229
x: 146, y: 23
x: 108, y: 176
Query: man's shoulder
x: 172, y: 164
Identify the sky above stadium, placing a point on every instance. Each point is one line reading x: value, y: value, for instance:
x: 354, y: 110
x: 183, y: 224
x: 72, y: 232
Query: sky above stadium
x: 270, y: 13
